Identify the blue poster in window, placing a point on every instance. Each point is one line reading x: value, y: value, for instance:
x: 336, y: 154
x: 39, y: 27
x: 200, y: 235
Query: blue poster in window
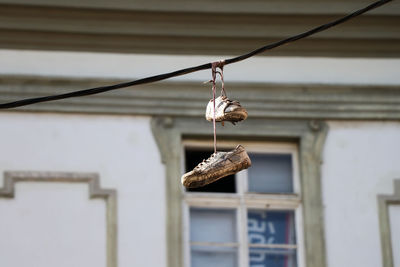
x: 271, y: 227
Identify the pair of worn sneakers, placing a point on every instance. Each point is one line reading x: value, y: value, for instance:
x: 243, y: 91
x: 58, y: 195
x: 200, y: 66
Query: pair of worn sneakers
x: 220, y: 164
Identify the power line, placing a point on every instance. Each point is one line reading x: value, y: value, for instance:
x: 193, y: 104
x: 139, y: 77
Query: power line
x: 180, y: 72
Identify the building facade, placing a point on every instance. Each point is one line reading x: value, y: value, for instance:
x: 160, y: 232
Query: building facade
x: 95, y: 181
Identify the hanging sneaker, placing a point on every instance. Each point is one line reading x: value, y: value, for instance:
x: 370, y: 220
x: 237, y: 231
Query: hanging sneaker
x: 225, y: 110
x: 217, y: 166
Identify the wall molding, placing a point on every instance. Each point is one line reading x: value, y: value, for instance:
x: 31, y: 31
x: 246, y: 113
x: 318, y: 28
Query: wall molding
x: 309, y: 134
x: 209, y: 6
x: 284, y: 101
x: 384, y: 223
x: 95, y: 191
x: 193, y: 27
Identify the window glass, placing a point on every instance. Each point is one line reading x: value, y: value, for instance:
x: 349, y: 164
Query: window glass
x: 270, y: 173
x: 271, y: 228
x: 212, y: 225
x: 213, y: 237
x: 214, y: 256
x: 272, y: 257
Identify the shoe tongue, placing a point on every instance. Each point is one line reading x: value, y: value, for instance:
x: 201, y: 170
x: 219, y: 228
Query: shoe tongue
x: 218, y: 101
x: 219, y: 153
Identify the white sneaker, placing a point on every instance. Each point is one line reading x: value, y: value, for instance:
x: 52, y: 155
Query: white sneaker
x: 225, y: 110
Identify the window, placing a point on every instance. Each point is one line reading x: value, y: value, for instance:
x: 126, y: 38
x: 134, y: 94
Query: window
x: 172, y: 136
x: 252, y: 218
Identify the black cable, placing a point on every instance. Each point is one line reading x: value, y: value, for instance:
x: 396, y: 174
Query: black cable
x: 165, y: 76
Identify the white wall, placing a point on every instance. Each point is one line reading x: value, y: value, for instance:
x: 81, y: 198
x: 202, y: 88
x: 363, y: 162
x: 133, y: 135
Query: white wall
x: 121, y: 149
x: 361, y: 160
x: 257, y: 69
x: 52, y: 224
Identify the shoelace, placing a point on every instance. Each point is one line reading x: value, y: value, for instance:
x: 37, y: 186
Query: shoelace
x: 214, y: 66
x: 205, y: 161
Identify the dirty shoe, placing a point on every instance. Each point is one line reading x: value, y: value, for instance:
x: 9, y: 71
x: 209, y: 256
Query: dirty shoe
x: 218, y: 165
x: 225, y: 110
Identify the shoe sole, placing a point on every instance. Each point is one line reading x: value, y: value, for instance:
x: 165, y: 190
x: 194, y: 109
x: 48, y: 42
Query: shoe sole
x: 239, y: 114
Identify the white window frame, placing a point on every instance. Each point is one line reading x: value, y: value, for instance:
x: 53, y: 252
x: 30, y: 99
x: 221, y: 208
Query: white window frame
x: 242, y: 200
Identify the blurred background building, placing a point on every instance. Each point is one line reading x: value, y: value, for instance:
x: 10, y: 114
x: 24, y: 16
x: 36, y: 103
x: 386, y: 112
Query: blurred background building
x: 95, y: 181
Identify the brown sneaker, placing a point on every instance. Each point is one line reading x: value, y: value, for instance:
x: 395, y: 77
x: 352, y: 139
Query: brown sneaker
x: 218, y: 165
x: 225, y: 110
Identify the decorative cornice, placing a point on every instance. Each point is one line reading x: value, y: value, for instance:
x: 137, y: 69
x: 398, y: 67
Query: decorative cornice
x: 188, y: 99
x: 95, y: 191
x: 192, y: 28
x: 220, y: 7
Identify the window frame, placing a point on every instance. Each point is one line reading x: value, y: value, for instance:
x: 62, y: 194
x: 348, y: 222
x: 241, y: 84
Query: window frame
x: 384, y: 202
x: 310, y: 136
x: 242, y: 200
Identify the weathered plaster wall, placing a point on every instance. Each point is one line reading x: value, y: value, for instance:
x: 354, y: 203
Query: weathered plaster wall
x: 121, y: 149
x: 258, y: 69
x: 361, y: 160
x: 52, y: 224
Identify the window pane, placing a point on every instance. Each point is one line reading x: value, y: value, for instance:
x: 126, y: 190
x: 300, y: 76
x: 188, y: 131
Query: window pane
x: 262, y: 257
x: 212, y: 225
x: 270, y: 173
x: 224, y: 185
x: 271, y: 227
x: 212, y: 256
